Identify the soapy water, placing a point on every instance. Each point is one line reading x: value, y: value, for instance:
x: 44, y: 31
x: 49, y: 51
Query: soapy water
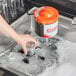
x: 44, y: 57
x: 33, y: 65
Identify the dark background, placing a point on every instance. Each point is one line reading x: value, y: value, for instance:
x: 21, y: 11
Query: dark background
x: 65, y: 7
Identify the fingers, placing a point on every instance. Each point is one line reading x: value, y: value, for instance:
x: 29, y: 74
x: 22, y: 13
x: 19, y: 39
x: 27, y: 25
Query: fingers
x: 24, y: 39
x: 30, y: 38
x: 33, y: 40
x: 24, y: 49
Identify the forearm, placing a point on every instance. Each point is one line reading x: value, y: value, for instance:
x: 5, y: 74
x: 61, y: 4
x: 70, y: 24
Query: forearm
x: 6, y: 30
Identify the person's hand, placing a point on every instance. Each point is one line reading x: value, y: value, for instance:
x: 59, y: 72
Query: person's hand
x: 23, y: 39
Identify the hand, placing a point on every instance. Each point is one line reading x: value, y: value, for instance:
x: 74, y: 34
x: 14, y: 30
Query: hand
x: 23, y: 39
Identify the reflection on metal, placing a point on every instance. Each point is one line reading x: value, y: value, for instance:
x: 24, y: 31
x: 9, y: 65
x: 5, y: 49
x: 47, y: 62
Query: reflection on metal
x: 74, y: 21
x: 73, y: 0
x: 9, y: 9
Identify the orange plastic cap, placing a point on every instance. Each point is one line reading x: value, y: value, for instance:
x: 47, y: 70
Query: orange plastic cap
x: 46, y: 15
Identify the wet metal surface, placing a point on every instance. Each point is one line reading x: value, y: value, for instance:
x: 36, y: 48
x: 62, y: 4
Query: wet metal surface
x: 60, y: 49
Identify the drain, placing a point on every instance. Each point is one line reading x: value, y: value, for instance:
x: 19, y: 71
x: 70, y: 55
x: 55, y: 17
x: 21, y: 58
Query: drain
x: 26, y: 60
x: 21, y: 51
x: 41, y: 57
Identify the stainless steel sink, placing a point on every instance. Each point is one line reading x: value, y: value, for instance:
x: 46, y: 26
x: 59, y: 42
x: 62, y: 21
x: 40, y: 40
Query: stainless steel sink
x: 66, y: 29
x: 67, y: 46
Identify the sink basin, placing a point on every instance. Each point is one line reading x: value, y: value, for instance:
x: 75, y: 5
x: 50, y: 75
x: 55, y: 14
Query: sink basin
x: 66, y: 47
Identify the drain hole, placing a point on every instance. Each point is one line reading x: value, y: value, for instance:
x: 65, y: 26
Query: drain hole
x: 21, y: 51
x: 41, y: 57
x: 26, y: 60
